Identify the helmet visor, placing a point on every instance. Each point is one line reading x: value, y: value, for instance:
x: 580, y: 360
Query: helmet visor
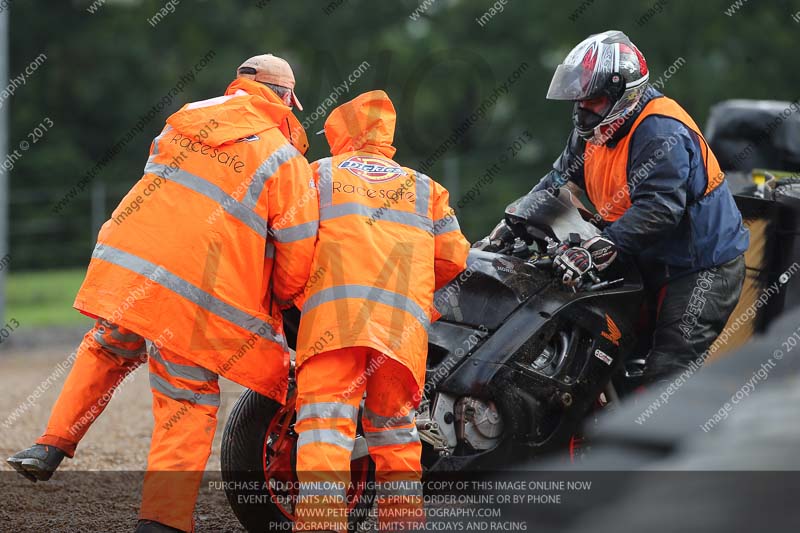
x: 570, y: 82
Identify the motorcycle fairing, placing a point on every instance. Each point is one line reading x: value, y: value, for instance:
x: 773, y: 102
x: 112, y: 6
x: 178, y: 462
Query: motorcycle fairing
x: 489, y: 290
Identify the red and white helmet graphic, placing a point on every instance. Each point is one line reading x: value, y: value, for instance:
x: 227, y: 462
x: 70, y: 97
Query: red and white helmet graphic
x: 608, y: 65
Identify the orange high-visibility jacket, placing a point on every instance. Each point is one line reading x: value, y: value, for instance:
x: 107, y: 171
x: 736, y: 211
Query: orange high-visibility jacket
x: 606, y: 167
x: 220, y: 228
x: 387, y: 239
x: 289, y: 126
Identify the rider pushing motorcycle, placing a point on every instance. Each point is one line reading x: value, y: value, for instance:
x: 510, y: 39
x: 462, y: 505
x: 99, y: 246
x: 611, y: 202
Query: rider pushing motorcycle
x: 660, y: 193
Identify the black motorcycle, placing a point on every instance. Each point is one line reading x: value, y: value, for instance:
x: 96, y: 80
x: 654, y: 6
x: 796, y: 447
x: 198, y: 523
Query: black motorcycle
x: 515, y: 364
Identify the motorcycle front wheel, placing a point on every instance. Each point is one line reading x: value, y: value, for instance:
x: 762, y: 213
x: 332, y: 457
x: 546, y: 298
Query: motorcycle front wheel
x: 258, y: 460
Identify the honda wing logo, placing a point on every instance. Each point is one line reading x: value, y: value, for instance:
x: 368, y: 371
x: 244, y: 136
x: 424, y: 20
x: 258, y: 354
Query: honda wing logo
x: 613, y: 334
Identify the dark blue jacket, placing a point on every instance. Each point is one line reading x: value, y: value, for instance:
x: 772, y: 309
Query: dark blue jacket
x: 670, y: 225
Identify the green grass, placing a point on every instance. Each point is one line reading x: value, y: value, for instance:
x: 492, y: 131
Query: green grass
x: 44, y: 298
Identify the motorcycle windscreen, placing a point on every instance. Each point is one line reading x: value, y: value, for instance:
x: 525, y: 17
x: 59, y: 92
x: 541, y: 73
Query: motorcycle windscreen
x: 555, y: 214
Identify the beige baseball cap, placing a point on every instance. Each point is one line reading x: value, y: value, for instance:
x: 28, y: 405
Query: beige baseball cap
x: 268, y: 68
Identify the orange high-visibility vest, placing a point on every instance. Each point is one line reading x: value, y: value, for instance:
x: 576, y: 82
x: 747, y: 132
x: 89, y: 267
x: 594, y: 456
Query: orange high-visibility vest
x: 387, y: 240
x: 606, y: 168
x: 221, y: 226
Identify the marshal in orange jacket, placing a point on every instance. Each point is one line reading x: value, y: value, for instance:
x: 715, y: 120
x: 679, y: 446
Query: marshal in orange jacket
x: 221, y: 226
x: 387, y: 239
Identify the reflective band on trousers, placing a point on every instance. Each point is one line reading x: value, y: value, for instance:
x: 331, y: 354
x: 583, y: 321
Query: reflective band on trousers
x: 330, y: 491
x: 391, y: 436
x: 183, y: 288
x: 116, y: 335
x: 202, y: 186
x: 365, y: 292
x: 322, y: 488
x: 125, y: 337
x: 296, y: 233
x: 171, y: 391
x: 376, y: 213
x: 193, y: 372
x: 116, y: 350
x: 326, y: 436
x: 327, y: 410
x: 379, y: 421
x: 265, y: 171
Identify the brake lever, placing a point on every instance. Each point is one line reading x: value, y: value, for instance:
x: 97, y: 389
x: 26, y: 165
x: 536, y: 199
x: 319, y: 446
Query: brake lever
x: 604, y: 285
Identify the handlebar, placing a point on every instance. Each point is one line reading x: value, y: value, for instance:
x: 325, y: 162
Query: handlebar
x: 591, y: 282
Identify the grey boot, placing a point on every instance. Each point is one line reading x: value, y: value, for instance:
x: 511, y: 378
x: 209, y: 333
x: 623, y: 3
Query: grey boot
x: 38, y: 462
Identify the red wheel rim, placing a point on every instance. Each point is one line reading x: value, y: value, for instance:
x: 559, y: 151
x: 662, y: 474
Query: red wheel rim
x: 277, y: 462
x: 574, y: 447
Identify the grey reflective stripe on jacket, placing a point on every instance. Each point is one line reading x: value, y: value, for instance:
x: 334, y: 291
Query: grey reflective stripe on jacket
x: 325, y: 182
x: 243, y: 211
x: 202, y: 186
x: 445, y: 224
x: 365, y: 292
x: 192, y: 293
x: 423, y: 196
x: 376, y: 213
x: 157, y: 139
x: 418, y: 219
x: 265, y: 171
x: 327, y: 410
x: 296, y: 233
x: 171, y: 391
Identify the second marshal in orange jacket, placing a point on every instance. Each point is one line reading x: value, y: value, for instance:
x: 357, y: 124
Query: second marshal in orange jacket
x: 387, y: 239
x: 219, y: 229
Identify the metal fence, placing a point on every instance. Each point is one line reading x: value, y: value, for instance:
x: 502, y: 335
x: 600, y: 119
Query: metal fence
x: 40, y: 238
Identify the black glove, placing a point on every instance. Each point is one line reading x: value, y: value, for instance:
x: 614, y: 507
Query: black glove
x: 574, y: 263
x: 603, y: 251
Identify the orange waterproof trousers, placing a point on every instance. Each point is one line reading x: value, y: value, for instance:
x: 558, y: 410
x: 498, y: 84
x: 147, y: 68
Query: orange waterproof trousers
x: 330, y: 387
x: 185, y: 404
x: 105, y: 357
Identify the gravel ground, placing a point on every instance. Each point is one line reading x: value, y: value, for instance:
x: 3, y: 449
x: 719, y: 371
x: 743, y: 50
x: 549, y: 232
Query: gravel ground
x: 98, y: 490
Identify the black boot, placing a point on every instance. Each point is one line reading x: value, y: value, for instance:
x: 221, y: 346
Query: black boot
x: 149, y: 526
x: 38, y: 462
